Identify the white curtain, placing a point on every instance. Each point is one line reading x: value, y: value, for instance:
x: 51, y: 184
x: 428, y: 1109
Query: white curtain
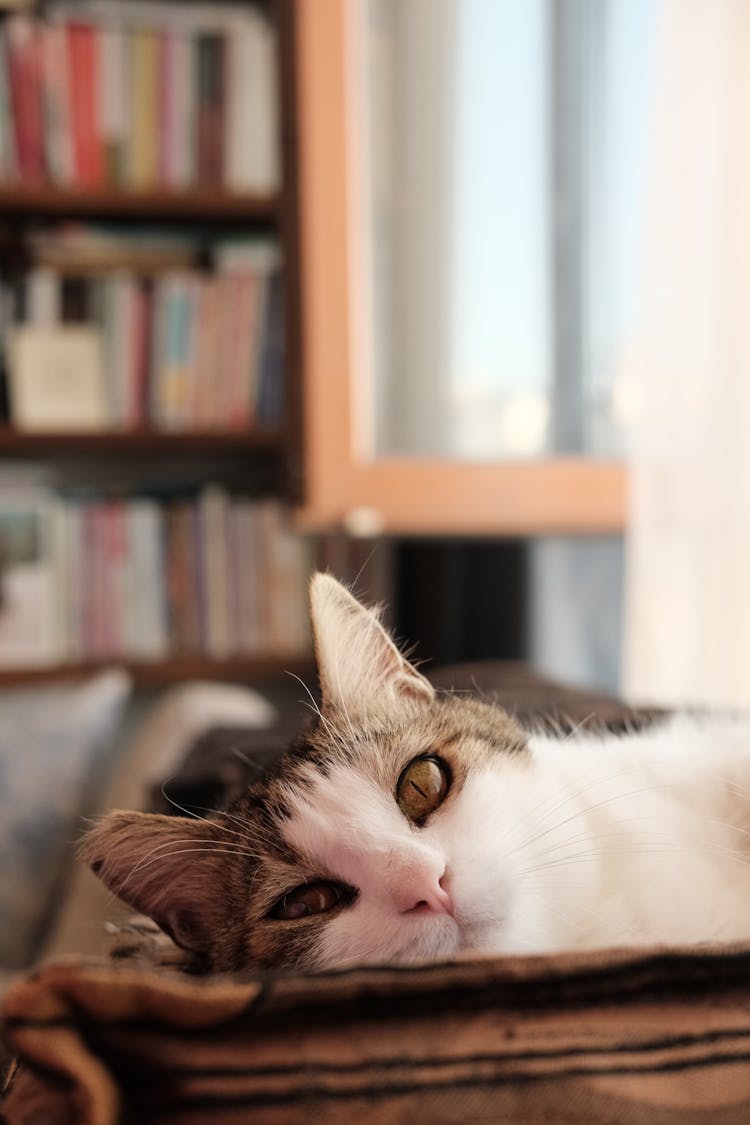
x: 687, y: 603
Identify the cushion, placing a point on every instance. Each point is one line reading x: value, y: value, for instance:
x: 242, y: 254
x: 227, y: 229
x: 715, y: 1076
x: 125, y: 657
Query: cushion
x: 54, y: 744
x: 152, y: 753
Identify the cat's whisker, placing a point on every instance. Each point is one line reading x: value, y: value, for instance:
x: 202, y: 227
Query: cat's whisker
x: 313, y: 701
x: 569, y: 920
x: 613, y: 798
x: 535, y: 810
x: 248, y: 761
x: 578, y: 726
x: 636, y: 849
x: 342, y: 698
x: 204, y: 849
x: 192, y: 814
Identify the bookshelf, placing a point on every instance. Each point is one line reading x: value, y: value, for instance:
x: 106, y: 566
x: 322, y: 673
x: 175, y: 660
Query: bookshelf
x: 265, y: 452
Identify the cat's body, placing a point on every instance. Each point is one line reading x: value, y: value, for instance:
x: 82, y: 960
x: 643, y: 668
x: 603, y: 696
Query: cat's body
x: 407, y: 827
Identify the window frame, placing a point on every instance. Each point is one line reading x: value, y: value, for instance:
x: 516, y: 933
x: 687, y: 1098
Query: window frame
x: 345, y: 483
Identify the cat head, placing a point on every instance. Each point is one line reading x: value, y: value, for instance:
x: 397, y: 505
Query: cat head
x: 370, y: 840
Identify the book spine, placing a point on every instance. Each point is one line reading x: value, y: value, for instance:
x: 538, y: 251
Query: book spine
x: 208, y: 353
x: 8, y: 153
x: 263, y: 107
x: 192, y: 311
x: 74, y: 514
x: 252, y: 578
x: 213, y: 506
x: 239, y: 143
x: 174, y: 580
x: 56, y: 91
x: 123, y: 343
x: 241, y: 405
x: 227, y: 344
x: 111, y: 345
x: 270, y: 392
x: 75, y: 300
x: 118, y: 550
x: 63, y: 578
x: 143, y: 162
x: 83, y: 63
x: 148, y: 638
x: 25, y: 71
x: 43, y: 297
x: 163, y: 109
x: 210, y: 109
x: 156, y: 409
x: 142, y: 350
x: 114, y: 99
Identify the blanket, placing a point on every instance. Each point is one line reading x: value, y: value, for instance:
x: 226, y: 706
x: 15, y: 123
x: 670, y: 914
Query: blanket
x: 623, y: 1038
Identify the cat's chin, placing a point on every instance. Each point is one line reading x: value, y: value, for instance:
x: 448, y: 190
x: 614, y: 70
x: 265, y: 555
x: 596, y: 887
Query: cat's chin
x: 434, y: 939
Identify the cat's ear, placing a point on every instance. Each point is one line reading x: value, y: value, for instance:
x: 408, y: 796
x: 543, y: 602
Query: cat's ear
x: 174, y: 869
x: 360, y: 668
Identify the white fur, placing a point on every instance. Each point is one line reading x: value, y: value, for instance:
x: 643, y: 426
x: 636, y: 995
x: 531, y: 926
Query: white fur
x: 586, y: 842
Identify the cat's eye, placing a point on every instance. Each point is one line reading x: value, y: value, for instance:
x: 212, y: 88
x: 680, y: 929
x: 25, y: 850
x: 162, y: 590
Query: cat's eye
x: 422, y: 787
x: 308, y: 899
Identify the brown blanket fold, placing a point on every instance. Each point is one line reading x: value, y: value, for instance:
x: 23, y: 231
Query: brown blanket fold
x: 656, y: 1037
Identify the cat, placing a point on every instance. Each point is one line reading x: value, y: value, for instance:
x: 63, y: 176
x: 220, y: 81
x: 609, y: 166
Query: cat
x: 408, y: 826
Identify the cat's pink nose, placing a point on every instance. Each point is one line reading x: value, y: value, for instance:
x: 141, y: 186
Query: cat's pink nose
x: 433, y: 899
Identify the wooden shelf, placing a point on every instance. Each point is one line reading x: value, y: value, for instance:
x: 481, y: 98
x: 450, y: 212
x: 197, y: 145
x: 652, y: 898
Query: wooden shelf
x: 170, y: 671
x: 210, y: 205
x: 135, y: 443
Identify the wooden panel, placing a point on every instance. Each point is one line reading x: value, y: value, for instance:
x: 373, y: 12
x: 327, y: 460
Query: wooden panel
x: 323, y: 200
x: 135, y: 443
x: 576, y: 496
x: 172, y: 670
x: 209, y: 205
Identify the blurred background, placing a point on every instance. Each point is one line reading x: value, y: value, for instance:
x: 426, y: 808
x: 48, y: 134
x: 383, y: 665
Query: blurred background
x: 445, y: 296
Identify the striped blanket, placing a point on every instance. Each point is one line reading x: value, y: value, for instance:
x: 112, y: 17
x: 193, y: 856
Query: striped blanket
x: 659, y: 1037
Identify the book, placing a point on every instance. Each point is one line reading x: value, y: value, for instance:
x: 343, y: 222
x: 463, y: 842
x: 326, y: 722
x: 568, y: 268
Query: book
x: 56, y: 378
x: 29, y: 633
x: 271, y: 360
x: 180, y: 146
x: 178, y: 348
x: 24, y: 62
x: 213, y: 505
x: 210, y: 109
x: 181, y: 588
x: 147, y: 614
x: 115, y: 98
x: 250, y: 576
x: 43, y: 297
x: 83, y: 69
x: 141, y: 94
x: 94, y: 577
x: 57, y: 107
x: 143, y: 160
x: 261, y: 108
x: 8, y: 152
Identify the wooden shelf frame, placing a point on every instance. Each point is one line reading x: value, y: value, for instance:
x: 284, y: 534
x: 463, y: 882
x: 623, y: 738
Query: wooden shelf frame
x: 18, y: 444
x: 345, y: 483
x: 209, y: 205
x: 172, y: 670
